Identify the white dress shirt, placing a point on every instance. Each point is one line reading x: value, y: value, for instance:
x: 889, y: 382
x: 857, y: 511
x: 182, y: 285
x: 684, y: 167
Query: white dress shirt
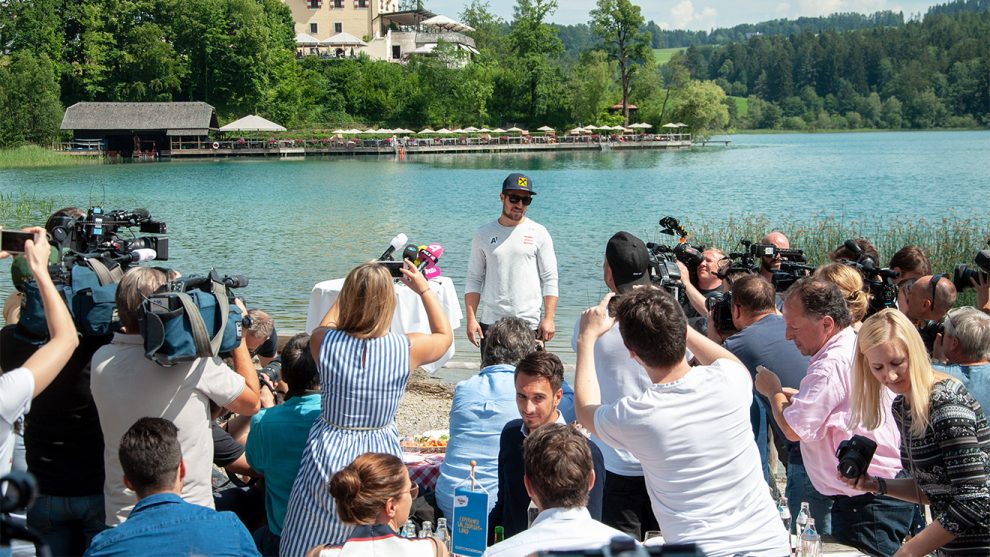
x: 559, y: 529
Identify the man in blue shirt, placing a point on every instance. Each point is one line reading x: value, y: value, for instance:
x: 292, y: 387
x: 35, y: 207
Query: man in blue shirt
x: 161, y: 523
x: 279, y: 434
x: 966, y: 345
x: 481, y: 407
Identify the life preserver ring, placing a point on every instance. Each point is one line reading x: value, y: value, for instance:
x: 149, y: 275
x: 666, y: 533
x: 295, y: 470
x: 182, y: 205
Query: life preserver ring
x: 216, y: 145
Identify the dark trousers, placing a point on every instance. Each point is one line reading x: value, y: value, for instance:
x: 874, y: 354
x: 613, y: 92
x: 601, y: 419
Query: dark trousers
x: 875, y: 525
x: 626, y: 505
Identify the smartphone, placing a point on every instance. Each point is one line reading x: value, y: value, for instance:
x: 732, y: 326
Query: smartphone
x: 12, y: 241
x: 393, y: 267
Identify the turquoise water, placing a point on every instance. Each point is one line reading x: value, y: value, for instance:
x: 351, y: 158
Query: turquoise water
x: 288, y: 224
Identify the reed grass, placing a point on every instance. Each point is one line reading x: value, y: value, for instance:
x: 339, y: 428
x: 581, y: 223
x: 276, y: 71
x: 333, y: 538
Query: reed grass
x: 32, y: 156
x: 20, y: 210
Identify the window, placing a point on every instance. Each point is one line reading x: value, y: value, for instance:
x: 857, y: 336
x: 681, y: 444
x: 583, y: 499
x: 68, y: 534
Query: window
x: 338, y: 3
x: 338, y: 27
x: 362, y: 3
x: 314, y: 4
x: 396, y: 52
x: 313, y: 28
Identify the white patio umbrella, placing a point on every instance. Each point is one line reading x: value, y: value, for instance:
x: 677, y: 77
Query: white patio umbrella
x: 484, y: 130
x: 369, y: 131
x: 343, y: 39
x: 458, y: 130
x: 338, y: 131
x: 545, y: 129
x: 670, y: 125
x: 576, y: 131
x: 498, y: 130
x: 425, y: 130
x: 302, y: 39
x: 515, y: 130
x: 443, y: 130
x: 471, y: 129
x: 445, y: 22
x: 681, y: 125
x: 403, y: 131
x: 252, y: 123
x: 353, y: 131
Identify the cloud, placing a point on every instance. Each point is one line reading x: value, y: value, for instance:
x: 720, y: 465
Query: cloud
x: 683, y: 15
x: 826, y: 7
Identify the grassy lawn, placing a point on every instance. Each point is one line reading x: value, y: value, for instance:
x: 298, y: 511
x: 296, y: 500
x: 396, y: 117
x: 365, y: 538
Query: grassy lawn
x: 32, y: 156
x: 742, y: 105
x: 663, y: 55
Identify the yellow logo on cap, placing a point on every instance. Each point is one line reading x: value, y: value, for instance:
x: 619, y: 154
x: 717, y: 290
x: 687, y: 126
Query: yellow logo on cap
x: 522, y: 182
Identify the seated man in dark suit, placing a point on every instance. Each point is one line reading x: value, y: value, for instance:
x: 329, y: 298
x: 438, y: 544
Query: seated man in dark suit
x: 538, y: 377
x: 161, y: 523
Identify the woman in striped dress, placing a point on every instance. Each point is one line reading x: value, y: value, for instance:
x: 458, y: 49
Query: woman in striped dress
x: 364, y: 369
x: 945, y: 439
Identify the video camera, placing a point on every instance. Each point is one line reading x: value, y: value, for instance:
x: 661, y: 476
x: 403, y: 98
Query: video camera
x: 664, y: 271
x: 963, y: 274
x: 879, y: 281
x: 793, y: 265
x: 98, y: 233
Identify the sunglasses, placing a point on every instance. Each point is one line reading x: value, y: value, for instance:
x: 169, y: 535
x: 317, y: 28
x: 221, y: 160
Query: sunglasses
x: 413, y: 491
x: 524, y: 199
x: 934, y: 283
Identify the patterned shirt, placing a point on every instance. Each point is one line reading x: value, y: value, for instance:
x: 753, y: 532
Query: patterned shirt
x: 951, y: 464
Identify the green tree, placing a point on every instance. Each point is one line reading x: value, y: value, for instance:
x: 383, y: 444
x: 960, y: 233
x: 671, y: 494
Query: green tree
x: 30, y: 110
x: 488, y: 28
x: 536, y: 46
x: 591, y: 87
x: 701, y: 105
x: 618, y: 24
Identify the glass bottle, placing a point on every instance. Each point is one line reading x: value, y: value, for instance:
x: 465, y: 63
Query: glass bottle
x: 409, y: 530
x: 811, y: 542
x: 804, y: 515
x: 427, y: 531
x: 499, y: 534
x: 443, y: 534
x: 785, y: 513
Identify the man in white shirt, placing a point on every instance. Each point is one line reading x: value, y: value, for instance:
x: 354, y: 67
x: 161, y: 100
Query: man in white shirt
x: 558, y: 476
x: 625, y: 501
x: 690, y: 430
x: 19, y: 386
x: 128, y: 386
x: 512, y: 269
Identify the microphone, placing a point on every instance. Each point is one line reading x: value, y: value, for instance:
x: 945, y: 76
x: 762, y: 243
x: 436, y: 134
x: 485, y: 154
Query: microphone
x: 429, y: 256
x: 137, y: 256
x: 411, y: 253
x: 395, y: 244
x: 141, y: 214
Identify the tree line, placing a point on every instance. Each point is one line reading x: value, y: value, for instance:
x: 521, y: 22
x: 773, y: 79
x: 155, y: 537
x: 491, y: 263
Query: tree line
x: 929, y: 73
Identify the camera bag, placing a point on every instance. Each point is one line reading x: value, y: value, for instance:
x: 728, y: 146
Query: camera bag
x: 182, y: 326
x: 90, y: 296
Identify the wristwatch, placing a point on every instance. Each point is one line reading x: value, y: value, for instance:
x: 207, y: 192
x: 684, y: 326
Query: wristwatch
x: 881, y: 486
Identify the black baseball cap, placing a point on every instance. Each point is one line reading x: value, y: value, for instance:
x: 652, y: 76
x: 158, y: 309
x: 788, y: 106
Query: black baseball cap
x: 629, y: 261
x: 518, y: 182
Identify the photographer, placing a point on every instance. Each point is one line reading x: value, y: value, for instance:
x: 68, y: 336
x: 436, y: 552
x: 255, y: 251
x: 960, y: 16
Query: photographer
x: 930, y: 298
x: 818, y: 320
x: 704, y: 281
x: 945, y: 439
x: 19, y: 386
x: 769, y: 265
x: 126, y: 386
x: 965, y: 346
x: 261, y: 336
x: 866, y: 249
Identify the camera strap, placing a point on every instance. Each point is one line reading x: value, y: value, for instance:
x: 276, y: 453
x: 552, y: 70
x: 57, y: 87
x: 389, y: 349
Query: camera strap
x: 104, y: 273
x: 206, y: 346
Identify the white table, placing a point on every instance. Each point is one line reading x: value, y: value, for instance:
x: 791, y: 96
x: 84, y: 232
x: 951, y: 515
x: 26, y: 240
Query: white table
x: 409, y: 317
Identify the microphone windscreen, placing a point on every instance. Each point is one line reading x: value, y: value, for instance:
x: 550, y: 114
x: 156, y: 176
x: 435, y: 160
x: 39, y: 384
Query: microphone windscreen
x: 142, y: 213
x: 411, y: 252
x: 144, y: 254
x: 399, y: 241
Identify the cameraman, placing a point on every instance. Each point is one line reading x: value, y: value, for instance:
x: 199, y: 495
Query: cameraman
x: 127, y: 386
x: 770, y: 265
x: 19, y: 386
x: 931, y: 297
x: 866, y: 248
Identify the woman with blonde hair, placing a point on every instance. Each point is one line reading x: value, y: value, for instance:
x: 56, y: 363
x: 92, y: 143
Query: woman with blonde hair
x: 945, y: 439
x: 374, y: 494
x: 363, y: 369
x: 850, y: 283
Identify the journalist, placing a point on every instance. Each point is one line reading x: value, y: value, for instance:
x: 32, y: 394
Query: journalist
x: 127, y: 386
x: 19, y: 386
x: 769, y: 265
x: 930, y: 298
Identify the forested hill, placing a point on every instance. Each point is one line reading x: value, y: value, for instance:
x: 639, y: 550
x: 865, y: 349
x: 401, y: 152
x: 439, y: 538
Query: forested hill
x: 932, y: 72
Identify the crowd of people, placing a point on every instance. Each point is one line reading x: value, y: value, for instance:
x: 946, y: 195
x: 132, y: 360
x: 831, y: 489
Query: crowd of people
x: 674, y: 423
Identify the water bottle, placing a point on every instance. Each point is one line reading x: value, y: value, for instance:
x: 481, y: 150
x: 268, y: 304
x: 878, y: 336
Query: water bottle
x: 409, y: 530
x: 802, y: 518
x: 811, y: 542
x: 785, y: 513
x: 427, y: 531
x: 499, y: 534
x: 443, y: 534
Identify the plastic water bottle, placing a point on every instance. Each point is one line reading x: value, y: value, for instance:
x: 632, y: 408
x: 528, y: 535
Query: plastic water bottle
x: 811, y: 542
x: 443, y: 534
x: 409, y: 530
x: 427, y: 531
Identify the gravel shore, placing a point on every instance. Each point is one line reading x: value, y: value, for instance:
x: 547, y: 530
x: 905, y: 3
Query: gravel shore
x: 425, y: 406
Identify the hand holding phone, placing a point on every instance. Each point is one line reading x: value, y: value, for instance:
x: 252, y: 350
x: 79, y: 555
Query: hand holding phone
x: 12, y: 241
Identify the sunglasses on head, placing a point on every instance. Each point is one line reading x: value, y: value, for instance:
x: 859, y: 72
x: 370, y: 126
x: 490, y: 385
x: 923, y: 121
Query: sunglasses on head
x: 524, y: 199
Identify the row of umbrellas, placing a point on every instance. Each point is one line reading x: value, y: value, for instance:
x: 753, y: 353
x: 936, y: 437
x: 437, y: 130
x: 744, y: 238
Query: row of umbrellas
x: 340, y: 39
x: 472, y: 129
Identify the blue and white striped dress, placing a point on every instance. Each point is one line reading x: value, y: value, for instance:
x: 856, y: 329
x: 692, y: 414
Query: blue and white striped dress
x: 362, y: 384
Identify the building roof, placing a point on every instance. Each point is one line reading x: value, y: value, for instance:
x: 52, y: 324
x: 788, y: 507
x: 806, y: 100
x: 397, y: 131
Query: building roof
x: 140, y: 116
x: 408, y: 17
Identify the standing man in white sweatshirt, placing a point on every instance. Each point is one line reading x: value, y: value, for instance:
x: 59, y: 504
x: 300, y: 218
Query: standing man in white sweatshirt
x: 512, y: 270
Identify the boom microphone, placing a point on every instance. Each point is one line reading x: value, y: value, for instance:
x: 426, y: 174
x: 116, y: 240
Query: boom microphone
x: 396, y: 243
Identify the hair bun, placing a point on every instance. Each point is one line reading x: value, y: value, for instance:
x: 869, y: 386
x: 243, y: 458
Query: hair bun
x: 345, y: 484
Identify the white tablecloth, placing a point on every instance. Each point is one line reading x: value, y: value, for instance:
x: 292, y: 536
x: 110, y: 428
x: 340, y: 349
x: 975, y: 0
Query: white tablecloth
x: 409, y: 317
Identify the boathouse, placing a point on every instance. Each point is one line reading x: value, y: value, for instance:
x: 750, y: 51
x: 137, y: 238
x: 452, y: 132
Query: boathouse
x: 138, y: 128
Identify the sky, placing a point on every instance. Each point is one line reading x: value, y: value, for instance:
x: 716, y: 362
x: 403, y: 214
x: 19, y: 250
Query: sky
x: 703, y: 14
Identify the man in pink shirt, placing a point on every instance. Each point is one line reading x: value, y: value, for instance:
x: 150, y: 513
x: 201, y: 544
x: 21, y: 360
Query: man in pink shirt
x: 817, y: 415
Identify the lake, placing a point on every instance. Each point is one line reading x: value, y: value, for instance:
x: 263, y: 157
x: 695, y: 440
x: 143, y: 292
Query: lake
x: 288, y: 224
